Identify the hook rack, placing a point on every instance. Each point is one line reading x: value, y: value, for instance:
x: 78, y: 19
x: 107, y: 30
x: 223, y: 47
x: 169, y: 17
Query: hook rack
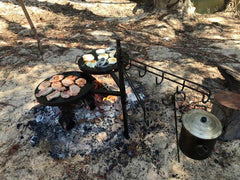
x: 206, y: 93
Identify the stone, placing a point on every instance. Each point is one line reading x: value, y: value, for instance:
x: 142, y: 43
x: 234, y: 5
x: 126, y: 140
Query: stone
x: 101, y: 136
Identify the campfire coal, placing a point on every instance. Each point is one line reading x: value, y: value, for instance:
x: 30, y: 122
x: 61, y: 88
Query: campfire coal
x: 95, y: 129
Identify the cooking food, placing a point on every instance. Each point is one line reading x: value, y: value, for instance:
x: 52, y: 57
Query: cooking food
x: 100, y: 51
x: 88, y: 57
x: 74, y: 90
x: 80, y: 82
x: 53, y: 95
x: 58, y: 86
x: 69, y: 80
x: 65, y: 94
x: 102, y: 56
x: 56, y: 78
x: 112, y: 60
x: 44, y: 92
x: 44, y: 85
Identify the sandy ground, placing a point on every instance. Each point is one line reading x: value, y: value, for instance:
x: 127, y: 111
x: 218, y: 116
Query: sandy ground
x: 70, y: 28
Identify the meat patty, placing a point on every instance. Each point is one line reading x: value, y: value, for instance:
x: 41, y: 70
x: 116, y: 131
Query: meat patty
x: 56, y: 78
x: 74, y: 90
x: 58, y: 86
x: 80, y: 82
x: 44, y: 85
x: 44, y: 92
x: 68, y: 81
x: 65, y: 94
x: 53, y: 95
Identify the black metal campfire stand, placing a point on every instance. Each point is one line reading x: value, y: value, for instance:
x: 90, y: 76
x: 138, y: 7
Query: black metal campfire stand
x: 158, y: 73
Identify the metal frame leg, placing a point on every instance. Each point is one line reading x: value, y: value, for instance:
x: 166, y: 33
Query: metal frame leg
x: 122, y: 88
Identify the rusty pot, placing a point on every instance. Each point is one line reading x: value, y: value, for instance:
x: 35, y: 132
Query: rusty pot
x: 199, y: 133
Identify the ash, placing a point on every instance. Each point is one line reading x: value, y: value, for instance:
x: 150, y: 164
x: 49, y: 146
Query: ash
x: 95, y: 131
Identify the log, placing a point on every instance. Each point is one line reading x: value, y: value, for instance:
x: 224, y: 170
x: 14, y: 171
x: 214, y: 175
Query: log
x: 226, y: 108
x: 231, y: 73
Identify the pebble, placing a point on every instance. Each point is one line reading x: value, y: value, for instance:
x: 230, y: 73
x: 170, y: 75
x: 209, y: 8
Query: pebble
x: 101, y: 136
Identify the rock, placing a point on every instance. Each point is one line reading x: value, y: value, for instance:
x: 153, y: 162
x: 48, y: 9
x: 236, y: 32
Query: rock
x: 162, y: 53
x: 101, y: 136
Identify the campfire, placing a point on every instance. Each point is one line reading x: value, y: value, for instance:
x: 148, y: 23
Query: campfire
x: 94, y: 129
x: 96, y: 108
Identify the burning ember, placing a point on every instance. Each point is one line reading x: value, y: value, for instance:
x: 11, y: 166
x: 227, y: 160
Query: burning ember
x: 110, y: 98
x: 95, y: 130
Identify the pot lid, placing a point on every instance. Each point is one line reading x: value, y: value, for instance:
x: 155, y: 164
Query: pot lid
x: 202, y: 124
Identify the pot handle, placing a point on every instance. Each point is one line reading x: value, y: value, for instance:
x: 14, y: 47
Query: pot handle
x: 77, y: 59
x: 202, y: 150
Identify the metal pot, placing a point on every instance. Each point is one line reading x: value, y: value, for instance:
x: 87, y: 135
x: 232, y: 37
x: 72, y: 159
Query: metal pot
x: 199, y: 133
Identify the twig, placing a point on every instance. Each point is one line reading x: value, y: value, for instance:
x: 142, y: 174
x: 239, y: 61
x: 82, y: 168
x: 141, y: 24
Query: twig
x: 7, y: 104
x: 32, y: 26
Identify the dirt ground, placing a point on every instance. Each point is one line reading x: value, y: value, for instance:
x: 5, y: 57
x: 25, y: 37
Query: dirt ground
x: 68, y: 28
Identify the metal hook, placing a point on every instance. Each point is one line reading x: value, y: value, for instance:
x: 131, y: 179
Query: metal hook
x: 183, y: 85
x: 129, y: 65
x: 144, y: 73
x: 158, y: 83
x: 180, y: 92
x: 203, y: 98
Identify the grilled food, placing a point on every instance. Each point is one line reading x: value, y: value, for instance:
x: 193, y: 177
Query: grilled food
x: 88, y: 57
x: 56, y: 78
x: 44, y: 85
x: 44, y: 92
x: 112, y: 60
x: 53, y: 95
x: 80, y: 82
x: 65, y: 94
x: 56, y: 85
x: 102, y: 56
x: 100, y: 51
x: 74, y: 90
x: 68, y: 81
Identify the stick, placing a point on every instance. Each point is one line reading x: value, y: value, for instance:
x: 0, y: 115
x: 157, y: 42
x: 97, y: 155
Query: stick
x: 32, y: 26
